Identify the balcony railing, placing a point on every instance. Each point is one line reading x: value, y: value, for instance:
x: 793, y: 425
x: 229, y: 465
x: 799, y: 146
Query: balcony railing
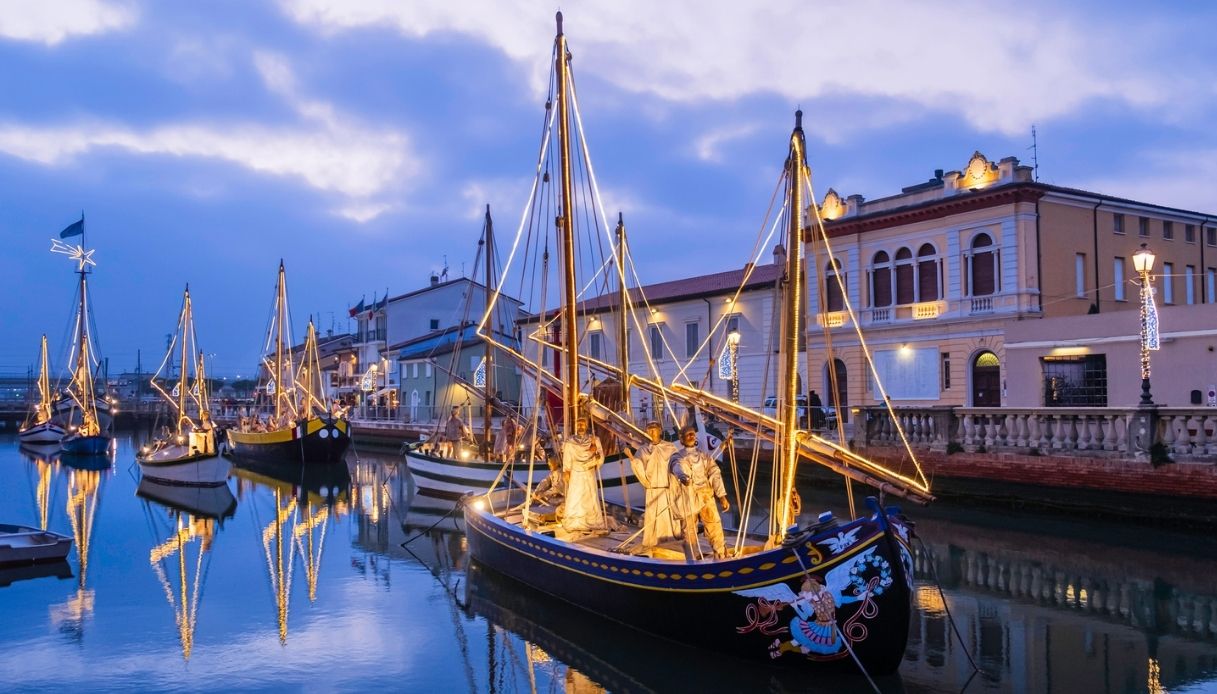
x: 1186, y: 433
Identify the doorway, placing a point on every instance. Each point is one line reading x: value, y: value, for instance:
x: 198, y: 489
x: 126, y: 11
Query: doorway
x: 986, y: 380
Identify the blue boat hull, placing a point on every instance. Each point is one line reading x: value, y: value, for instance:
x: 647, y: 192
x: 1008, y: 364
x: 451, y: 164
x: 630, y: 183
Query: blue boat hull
x: 86, y: 445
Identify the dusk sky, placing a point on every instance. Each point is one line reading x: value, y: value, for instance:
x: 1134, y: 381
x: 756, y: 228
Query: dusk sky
x: 359, y: 140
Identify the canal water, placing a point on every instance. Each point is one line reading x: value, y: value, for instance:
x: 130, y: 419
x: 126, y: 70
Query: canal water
x: 277, y: 583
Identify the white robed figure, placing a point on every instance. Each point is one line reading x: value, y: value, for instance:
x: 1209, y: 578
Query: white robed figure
x: 582, y: 456
x: 651, y: 466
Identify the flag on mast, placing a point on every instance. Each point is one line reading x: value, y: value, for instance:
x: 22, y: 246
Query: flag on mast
x: 76, y: 228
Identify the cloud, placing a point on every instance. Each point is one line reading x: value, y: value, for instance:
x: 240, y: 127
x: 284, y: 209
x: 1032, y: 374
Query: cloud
x: 707, y: 147
x: 326, y: 150
x: 52, y: 22
x: 1005, y: 66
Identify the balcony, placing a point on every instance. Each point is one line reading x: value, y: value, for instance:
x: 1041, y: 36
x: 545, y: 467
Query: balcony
x: 928, y: 309
x: 832, y: 319
x: 981, y: 304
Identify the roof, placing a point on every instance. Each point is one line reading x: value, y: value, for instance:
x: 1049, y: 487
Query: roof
x: 444, y: 341
x: 715, y: 284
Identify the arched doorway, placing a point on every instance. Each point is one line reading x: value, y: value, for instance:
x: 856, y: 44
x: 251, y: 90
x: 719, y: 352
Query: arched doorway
x: 986, y: 380
x: 840, y: 394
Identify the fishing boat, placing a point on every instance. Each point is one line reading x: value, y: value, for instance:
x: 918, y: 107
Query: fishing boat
x: 187, y: 453
x: 823, y: 594
x: 294, y: 419
x: 39, y: 427
x: 451, y: 470
x: 81, y: 407
x: 20, y: 544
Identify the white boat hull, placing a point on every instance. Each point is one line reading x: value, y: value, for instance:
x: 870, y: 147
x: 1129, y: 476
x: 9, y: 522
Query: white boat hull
x: 452, y: 479
x: 24, y: 545
x: 199, y: 471
x: 47, y: 432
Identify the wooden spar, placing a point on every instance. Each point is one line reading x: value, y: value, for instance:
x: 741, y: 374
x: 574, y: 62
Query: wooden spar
x: 792, y: 314
x: 200, y: 374
x: 566, y: 230
x: 183, y: 381
x: 280, y: 310
x: 44, y: 390
x: 489, y: 380
x: 623, y: 306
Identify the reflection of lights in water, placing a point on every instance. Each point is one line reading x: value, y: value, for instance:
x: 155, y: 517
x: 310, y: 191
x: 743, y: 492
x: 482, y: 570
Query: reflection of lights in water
x: 1154, y: 681
x: 929, y: 601
x: 185, y: 602
x: 282, y: 545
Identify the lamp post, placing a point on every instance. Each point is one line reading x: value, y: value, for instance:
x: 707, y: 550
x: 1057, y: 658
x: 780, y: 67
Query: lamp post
x: 733, y: 349
x: 1143, y: 263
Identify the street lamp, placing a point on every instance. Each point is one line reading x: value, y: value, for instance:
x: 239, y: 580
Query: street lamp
x: 1143, y: 264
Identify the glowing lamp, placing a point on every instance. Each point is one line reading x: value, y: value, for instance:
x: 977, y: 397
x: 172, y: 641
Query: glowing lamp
x: 1143, y: 260
x: 480, y: 505
x: 733, y: 338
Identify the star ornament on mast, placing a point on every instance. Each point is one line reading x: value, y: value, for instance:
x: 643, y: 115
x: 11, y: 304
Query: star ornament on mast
x: 77, y: 253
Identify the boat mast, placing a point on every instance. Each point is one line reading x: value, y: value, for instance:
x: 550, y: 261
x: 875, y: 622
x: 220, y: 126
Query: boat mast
x: 183, y: 382
x: 792, y: 309
x: 489, y: 380
x: 44, y: 388
x: 200, y: 375
x: 280, y: 310
x: 566, y: 228
x: 623, y: 305
x: 310, y: 346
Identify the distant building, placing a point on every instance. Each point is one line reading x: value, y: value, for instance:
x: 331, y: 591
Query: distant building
x: 433, y: 367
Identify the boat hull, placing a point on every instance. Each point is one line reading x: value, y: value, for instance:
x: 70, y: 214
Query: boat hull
x: 317, y: 440
x: 757, y: 607
x: 187, y: 470
x: 86, y: 445
x: 24, y: 545
x: 47, y: 432
x: 204, y: 502
x: 444, y: 478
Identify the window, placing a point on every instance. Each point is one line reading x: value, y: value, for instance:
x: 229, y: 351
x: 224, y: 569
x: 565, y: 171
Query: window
x: 1168, y: 230
x: 1189, y: 233
x: 427, y: 370
x: 983, y: 265
x: 435, y: 324
x: 656, y: 341
x: 927, y: 273
x: 692, y: 341
x: 881, y: 281
x: 1168, y: 283
x: 1118, y: 273
x: 594, y: 344
x: 946, y: 370
x: 733, y: 324
x: 1118, y: 223
x: 1210, y: 237
x: 1079, y: 274
x: 833, y: 299
x: 1143, y: 226
x: 415, y: 375
x: 904, y: 277
x: 1210, y: 286
x: 1075, y: 381
x: 1189, y: 291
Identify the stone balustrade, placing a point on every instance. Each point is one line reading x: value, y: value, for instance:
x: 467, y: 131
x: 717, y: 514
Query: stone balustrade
x: 1185, y: 433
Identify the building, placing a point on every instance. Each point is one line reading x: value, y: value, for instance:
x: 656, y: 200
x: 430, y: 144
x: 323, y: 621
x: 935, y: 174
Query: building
x: 938, y: 274
x: 431, y: 370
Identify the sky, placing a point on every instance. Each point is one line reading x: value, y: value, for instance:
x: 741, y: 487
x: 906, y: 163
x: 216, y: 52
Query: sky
x: 360, y: 140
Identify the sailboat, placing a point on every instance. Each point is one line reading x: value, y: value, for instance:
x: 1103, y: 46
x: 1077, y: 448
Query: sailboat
x: 826, y: 595
x: 187, y: 454
x: 447, y: 475
x: 39, y: 427
x: 295, y: 420
x: 87, y: 432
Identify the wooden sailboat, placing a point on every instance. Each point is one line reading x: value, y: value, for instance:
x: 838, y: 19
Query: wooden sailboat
x: 826, y: 595
x: 40, y: 428
x: 88, y: 433
x: 188, y: 452
x: 295, y: 420
x: 461, y: 471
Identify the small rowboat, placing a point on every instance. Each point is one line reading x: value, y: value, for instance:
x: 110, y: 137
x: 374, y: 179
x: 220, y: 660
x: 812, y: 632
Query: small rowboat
x: 23, y: 545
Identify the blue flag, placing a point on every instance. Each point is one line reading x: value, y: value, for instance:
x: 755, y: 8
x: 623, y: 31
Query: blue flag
x: 73, y: 229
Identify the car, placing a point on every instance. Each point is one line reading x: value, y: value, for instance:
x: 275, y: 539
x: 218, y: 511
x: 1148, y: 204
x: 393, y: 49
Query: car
x: 827, y: 421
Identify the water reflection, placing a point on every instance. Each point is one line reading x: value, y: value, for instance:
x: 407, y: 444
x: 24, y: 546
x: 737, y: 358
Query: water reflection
x: 85, y: 478
x: 303, y: 499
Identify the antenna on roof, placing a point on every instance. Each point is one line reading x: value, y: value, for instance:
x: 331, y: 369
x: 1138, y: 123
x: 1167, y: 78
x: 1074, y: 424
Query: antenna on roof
x: 1035, y: 154
x: 444, y: 275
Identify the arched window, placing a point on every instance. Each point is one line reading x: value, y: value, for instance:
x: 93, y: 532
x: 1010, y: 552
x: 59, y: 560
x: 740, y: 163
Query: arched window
x: 881, y: 281
x: 904, y: 277
x: 983, y: 271
x: 833, y: 299
x: 927, y: 273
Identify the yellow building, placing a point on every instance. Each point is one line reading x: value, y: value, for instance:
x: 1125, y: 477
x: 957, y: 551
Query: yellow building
x: 935, y: 274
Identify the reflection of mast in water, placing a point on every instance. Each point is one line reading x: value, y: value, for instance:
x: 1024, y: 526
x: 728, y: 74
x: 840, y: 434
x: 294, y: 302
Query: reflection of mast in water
x: 184, y: 601
x: 83, y: 493
x: 280, y: 571
x: 310, y: 543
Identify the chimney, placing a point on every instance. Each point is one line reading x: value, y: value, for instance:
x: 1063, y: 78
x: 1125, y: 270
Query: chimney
x: 938, y: 174
x: 434, y: 279
x: 779, y: 255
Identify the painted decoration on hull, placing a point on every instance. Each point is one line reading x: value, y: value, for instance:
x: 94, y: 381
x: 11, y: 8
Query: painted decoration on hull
x: 813, y: 631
